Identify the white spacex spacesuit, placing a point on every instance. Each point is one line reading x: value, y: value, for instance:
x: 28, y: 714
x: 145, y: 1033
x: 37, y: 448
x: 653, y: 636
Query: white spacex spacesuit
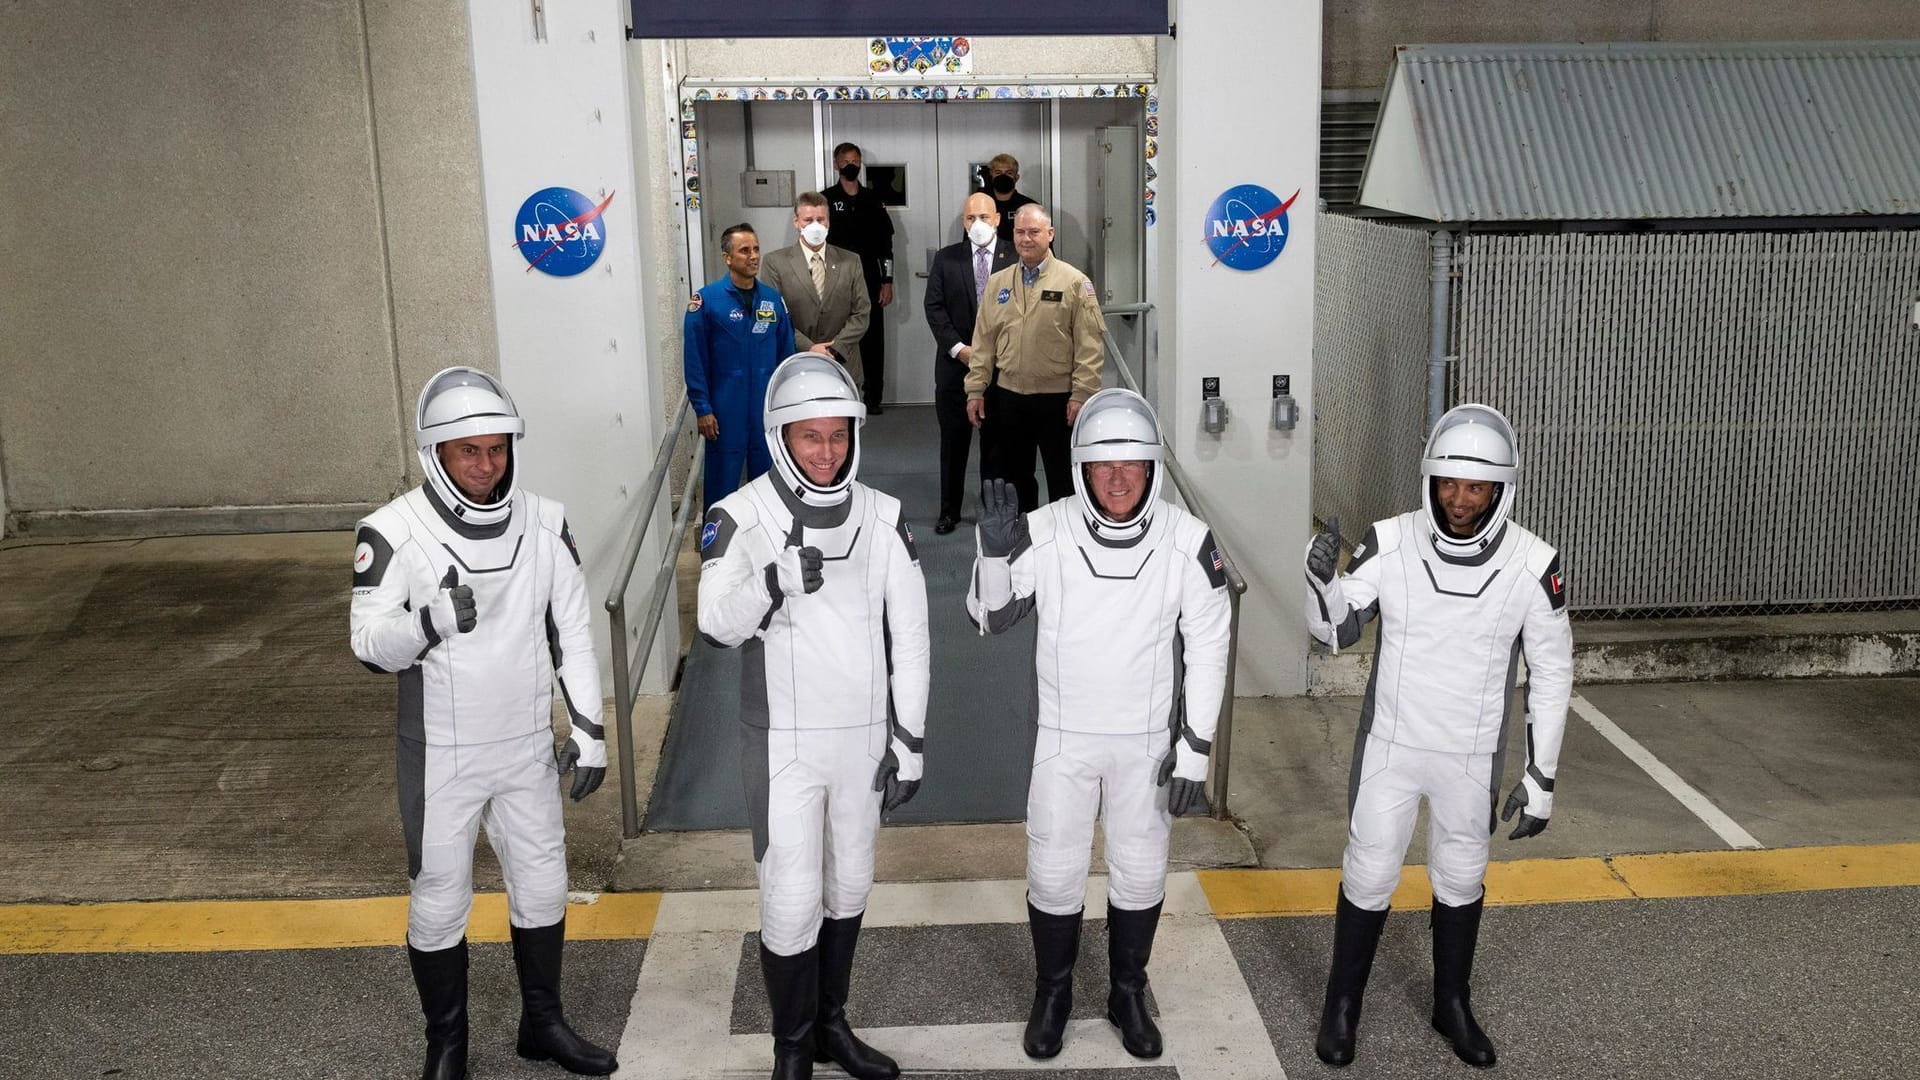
x: 1134, y: 620
x: 475, y: 698
x: 1456, y: 613
x: 820, y: 585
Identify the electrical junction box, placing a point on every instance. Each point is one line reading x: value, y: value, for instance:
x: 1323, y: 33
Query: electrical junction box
x: 766, y: 187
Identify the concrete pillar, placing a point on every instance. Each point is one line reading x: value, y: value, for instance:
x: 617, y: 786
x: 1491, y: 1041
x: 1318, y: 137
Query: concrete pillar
x: 1241, y: 79
x: 553, y: 101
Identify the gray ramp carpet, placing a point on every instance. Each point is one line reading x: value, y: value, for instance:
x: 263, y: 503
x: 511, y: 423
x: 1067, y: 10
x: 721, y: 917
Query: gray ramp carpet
x: 979, y: 715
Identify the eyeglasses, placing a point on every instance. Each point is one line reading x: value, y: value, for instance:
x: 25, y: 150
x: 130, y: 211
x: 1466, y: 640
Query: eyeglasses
x: 1110, y: 468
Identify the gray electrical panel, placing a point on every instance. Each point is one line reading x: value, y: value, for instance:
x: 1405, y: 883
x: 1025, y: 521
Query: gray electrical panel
x: 766, y: 187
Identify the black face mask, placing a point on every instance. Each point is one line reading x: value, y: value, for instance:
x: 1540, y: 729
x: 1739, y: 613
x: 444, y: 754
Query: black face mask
x: 1003, y: 184
x: 850, y: 171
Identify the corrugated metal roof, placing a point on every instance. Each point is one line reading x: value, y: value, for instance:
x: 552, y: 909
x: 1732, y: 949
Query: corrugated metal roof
x: 1649, y: 131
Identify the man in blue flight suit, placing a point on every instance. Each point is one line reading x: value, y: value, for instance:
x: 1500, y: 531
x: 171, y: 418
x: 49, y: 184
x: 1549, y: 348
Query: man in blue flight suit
x: 736, y: 332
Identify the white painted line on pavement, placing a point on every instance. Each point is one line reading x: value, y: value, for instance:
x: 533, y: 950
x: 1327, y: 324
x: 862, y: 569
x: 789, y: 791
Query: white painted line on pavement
x: 678, y: 1025
x: 1088, y: 1044
x: 1689, y: 796
x: 1212, y: 1027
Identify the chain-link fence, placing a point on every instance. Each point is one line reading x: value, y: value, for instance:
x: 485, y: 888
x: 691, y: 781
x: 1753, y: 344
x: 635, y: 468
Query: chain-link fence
x: 1369, y: 370
x: 1710, y: 424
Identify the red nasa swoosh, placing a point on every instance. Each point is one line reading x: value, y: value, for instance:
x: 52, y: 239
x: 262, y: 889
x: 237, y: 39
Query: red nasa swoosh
x: 1268, y: 216
x: 592, y: 215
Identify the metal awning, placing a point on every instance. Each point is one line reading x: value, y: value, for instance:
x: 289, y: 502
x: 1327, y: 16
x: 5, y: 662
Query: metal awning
x: 1648, y: 132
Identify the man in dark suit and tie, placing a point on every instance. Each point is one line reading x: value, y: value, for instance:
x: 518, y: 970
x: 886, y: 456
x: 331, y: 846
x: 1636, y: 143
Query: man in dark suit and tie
x: 824, y: 287
x: 954, y: 282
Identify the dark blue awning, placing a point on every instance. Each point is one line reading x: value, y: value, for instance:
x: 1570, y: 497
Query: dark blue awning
x: 891, y: 18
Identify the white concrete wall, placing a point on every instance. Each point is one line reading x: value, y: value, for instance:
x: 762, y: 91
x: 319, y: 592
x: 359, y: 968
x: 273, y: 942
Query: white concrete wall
x: 574, y: 350
x: 1240, y: 123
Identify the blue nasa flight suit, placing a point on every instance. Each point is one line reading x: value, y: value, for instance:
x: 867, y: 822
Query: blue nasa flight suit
x: 732, y: 342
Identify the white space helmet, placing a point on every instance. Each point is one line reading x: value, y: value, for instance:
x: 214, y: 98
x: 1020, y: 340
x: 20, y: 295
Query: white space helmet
x: 1117, y: 425
x: 459, y: 403
x: 1471, y: 442
x: 807, y: 386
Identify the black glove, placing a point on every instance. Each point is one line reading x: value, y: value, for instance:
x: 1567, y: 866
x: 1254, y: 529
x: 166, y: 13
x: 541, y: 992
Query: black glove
x: 1323, y: 558
x: 797, y: 569
x: 896, y: 792
x: 451, y: 609
x: 1003, y: 528
x: 1183, y: 794
x: 586, y: 778
x: 1529, y: 825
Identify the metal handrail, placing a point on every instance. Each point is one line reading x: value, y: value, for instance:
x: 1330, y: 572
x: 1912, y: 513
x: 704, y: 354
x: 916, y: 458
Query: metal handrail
x: 626, y: 683
x: 1218, y: 761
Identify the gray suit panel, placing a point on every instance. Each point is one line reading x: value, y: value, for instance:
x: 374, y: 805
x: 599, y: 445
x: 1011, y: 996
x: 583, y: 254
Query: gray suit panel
x: 840, y: 317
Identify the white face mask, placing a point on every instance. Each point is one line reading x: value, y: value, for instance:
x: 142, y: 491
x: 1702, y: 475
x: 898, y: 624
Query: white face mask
x: 981, y: 233
x: 813, y: 233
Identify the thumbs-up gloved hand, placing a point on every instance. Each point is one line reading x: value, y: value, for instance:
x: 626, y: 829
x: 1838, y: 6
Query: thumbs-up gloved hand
x: 798, y: 569
x: 452, y: 611
x: 1323, y: 555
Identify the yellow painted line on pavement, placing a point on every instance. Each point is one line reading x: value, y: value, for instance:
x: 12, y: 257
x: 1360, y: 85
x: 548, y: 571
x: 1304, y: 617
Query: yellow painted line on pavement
x: 1778, y: 870
x: 1247, y: 894
x: 248, y: 925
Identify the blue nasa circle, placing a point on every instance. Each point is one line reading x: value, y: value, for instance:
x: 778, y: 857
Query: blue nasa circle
x: 559, y: 231
x: 1246, y: 227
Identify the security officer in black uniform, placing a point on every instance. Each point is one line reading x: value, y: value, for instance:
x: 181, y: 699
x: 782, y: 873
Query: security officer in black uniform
x: 858, y: 221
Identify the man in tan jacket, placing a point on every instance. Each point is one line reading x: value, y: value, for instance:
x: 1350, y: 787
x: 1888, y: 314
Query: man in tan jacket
x: 1037, y: 351
x: 824, y: 287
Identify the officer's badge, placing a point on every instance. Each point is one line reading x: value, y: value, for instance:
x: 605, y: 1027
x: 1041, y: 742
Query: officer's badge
x: 694, y: 302
x: 765, y: 312
x: 1005, y: 295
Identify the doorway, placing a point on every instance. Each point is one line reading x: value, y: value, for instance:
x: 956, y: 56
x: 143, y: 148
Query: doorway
x: 939, y: 144
x: 1081, y: 157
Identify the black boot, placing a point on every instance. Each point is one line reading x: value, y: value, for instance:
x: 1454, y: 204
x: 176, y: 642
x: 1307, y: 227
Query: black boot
x: 1129, y: 945
x: 1356, y: 936
x: 1056, y: 945
x: 544, y: 1033
x: 833, y: 1040
x: 1455, y: 931
x: 793, y: 992
x: 441, y: 978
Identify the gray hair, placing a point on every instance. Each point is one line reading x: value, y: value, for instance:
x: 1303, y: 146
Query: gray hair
x: 1033, y: 209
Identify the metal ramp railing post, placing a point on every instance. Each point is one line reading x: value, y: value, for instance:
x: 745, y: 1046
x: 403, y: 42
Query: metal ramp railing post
x: 626, y: 674
x: 1221, y: 758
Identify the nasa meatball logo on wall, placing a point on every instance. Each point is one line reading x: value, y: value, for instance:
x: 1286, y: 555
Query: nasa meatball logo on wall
x: 560, y: 231
x: 1246, y: 227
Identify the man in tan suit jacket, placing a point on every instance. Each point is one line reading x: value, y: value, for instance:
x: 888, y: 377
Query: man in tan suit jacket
x: 824, y: 287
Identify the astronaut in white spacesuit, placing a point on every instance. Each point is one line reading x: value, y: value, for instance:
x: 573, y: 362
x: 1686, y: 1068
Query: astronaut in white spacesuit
x: 1461, y: 592
x: 470, y: 589
x: 815, y: 576
x: 1127, y: 587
